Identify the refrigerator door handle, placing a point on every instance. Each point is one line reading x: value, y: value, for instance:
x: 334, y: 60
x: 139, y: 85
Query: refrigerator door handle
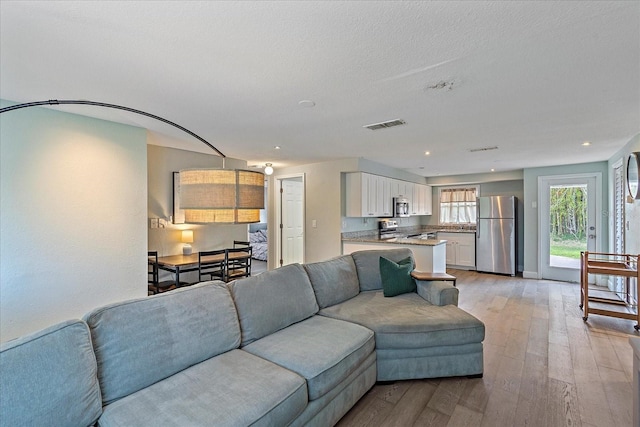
x: 477, y: 221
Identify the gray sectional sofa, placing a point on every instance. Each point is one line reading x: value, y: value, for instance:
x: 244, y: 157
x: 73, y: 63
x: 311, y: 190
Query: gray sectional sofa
x: 296, y: 346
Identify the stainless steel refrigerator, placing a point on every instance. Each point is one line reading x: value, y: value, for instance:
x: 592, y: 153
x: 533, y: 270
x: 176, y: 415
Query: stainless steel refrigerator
x: 496, y: 234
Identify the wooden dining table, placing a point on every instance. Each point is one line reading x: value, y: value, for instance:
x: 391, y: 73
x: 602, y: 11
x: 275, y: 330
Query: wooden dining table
x: 185, y: 263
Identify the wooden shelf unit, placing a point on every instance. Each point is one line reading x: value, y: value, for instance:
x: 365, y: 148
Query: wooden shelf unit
x: 624, y: 305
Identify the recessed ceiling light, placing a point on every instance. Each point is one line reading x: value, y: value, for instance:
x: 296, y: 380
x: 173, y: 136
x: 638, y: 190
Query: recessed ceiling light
x: 276, y: 147
x: 426, y: 153
x: 586, y: 143
x: 307, y: 103
x: 493, y: 170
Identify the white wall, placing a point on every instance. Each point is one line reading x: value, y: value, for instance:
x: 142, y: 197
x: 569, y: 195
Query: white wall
x: 323, y: 195
x: 73, y: 202
x: 162, y: 162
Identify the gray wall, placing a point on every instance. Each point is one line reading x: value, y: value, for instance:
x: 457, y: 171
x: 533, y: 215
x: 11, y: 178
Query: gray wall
x: 490, y: 184
x: 531, y: 213
x: 632, y: 207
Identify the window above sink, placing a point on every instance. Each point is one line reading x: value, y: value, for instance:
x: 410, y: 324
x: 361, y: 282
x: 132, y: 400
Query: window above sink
x: 457, y: 205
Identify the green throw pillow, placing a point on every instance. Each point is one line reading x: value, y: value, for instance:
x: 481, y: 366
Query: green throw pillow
x: 396, y: 277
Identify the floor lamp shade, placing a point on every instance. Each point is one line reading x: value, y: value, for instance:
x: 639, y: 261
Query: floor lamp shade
x: 221, y: 195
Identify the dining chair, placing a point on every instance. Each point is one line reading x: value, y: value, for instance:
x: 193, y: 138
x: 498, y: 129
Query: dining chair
x: 240, y: 243
x: 213, y: 268
x: 154, y: 285
x: 238, y: 263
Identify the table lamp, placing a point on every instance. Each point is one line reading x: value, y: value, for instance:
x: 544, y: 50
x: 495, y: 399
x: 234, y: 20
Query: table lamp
x: 187, y: 237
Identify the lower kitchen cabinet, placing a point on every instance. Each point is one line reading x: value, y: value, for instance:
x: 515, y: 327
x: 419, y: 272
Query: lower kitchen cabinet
x: 461, y: 249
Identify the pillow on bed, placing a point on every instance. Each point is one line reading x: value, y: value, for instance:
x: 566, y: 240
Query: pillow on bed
x: 254, y: 237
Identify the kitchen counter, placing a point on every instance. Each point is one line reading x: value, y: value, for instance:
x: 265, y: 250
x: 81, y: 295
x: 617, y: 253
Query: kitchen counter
x: 429, y: 255
x: 395, y: 240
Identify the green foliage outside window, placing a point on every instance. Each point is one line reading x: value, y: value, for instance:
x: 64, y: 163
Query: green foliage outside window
x: 568, y: 221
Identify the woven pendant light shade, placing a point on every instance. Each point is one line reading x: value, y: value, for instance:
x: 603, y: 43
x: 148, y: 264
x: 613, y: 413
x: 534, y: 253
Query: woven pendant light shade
x: 221, y: 195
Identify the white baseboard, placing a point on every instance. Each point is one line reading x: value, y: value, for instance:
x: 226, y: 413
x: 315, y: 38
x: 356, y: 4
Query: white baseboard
x: 529, y: 274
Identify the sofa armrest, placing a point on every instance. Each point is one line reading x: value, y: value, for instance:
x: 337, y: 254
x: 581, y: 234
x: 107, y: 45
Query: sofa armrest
x: 437, y: 292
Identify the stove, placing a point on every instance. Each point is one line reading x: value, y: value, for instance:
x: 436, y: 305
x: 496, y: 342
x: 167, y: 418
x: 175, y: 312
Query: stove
x: 388, y: 229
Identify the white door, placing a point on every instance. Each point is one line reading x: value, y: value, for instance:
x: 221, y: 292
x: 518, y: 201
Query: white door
x: 568, y: 223
x: 292, y: 225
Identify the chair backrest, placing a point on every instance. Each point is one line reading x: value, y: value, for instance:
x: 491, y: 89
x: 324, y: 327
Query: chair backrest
x: 238, y: 262
x: 214, y: 268
x: 240, y: 243
x: 152, y: 268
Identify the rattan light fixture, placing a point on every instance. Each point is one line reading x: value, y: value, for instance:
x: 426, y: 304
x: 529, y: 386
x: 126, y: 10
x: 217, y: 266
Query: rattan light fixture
x: 221, y: 195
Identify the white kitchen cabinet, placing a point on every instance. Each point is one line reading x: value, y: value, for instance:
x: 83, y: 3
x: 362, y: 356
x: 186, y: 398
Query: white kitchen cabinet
x: 401, y: 188
x: 361, y: 194
x: 385, y: 199
x: 368, y: 195
x: 461, y: 249
x: 421, y: 200
x: 428, y: 202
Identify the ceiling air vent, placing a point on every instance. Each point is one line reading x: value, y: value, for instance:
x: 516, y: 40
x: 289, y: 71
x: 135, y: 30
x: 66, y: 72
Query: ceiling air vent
x: 475, y: 150
x: 387, y: 124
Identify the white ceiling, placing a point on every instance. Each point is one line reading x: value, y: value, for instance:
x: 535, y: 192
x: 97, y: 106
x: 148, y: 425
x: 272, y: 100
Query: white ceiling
x: 535, y: 79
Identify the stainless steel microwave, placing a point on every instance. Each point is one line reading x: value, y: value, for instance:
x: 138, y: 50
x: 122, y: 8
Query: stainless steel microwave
x: 400, y: 207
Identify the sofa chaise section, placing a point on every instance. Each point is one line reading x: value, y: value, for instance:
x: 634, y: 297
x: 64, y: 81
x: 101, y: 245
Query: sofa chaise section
x: 415, y: 337
x: 173, y: 360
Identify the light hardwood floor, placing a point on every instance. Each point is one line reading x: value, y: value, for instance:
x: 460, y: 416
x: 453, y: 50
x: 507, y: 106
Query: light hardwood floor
x: 543, y: 366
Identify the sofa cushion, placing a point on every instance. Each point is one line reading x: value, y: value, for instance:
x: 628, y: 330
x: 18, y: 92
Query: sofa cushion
x: 322, y: 350
x: 408, y: 321
x: 50, y: 378
x: 142, y: 341
x: 368, y: 265
x: 232, y: 389
x: 272, y: 301
x: 333, y: 281
x: 396, y: 277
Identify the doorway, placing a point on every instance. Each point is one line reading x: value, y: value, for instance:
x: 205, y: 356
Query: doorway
x: 568, y: 223
x: 290, y: 220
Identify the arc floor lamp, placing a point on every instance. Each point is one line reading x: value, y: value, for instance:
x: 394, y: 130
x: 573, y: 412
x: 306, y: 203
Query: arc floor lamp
x: 230, y: 196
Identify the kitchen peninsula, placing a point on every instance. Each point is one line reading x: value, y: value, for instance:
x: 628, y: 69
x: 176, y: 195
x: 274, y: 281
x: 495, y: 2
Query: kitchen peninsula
x: 429, y: 254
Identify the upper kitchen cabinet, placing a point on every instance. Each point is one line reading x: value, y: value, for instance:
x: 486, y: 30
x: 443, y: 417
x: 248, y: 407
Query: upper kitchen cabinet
x: 401, y: 188
x: 371, y: 195
x: 368, y: 195
x: 420, y: 200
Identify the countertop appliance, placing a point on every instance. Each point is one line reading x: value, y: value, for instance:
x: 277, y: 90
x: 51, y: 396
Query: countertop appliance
x: 400, y: 207
x: 496, y: 234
